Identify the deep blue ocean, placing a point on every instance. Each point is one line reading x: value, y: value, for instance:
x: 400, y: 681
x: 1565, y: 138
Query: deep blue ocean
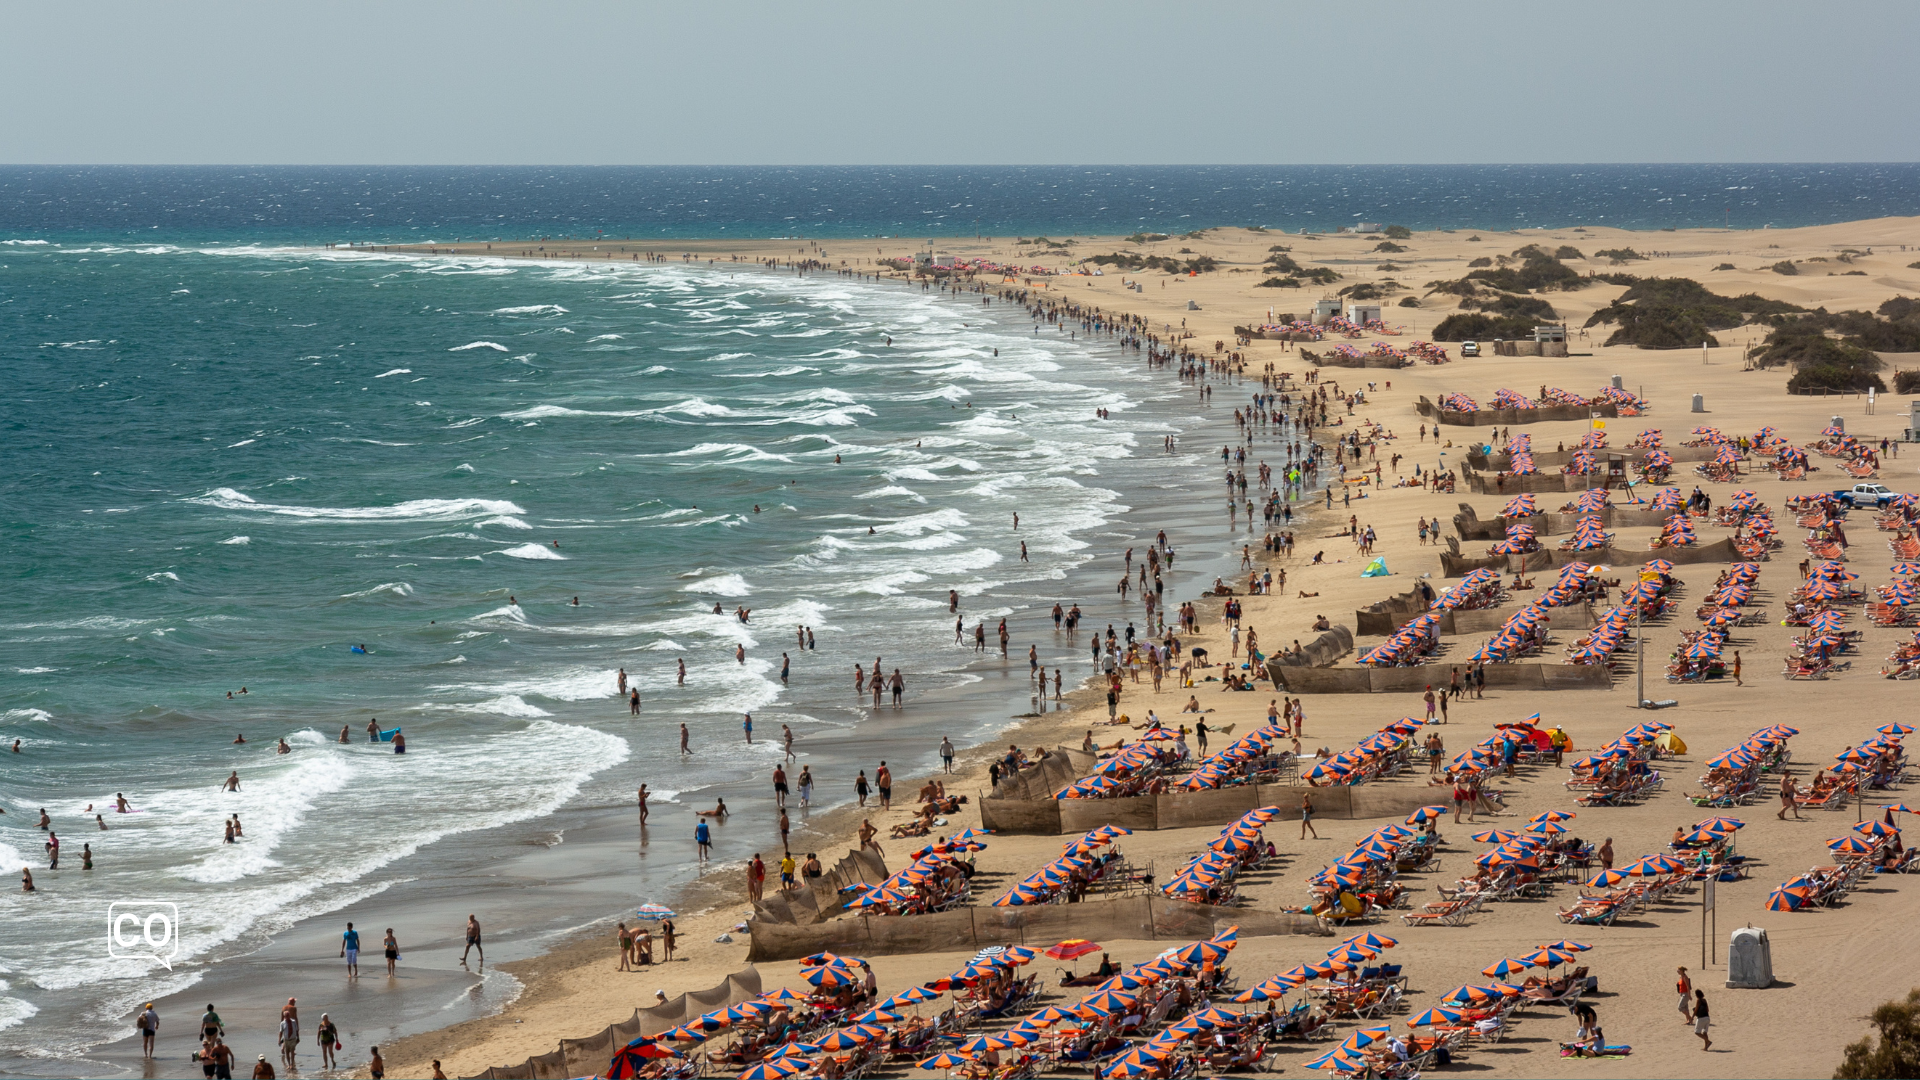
x: 233, y: 459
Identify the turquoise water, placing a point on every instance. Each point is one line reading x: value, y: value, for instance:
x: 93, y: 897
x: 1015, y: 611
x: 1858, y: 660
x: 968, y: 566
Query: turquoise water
x: 230, y: 466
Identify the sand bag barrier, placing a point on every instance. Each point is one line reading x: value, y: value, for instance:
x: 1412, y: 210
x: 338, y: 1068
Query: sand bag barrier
x: 1140, y: 918
x: 589, y: 1056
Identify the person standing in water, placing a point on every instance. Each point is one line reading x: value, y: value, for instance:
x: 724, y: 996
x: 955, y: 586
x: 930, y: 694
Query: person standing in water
x: 684, y: 752
x: 643, y: 804
x: 473, y: 941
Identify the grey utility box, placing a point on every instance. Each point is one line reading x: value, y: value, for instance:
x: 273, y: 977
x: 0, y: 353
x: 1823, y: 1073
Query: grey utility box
x: 1749, y: 959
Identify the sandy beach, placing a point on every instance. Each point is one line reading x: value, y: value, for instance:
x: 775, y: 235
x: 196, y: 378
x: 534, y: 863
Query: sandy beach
x: 1832, y: 966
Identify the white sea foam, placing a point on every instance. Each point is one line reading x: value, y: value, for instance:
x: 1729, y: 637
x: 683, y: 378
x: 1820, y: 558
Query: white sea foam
x: 512, y: 612
x: 414, y: 510
x: 735, y: 451
x: 455, y: 660
x: 242, y: 442
x: 239, y: 540
x: 396, y: 588
x: 531, y: 551
x: 164, y: 575
x: 532, y: 309
x: 504, y: 705
x: 605, y: 337
x: 463, y: 467
x: 395, y: 371
x: 34, y: 670
x: 892, y: 491
x: 697, y: 407
x: 568, y: 684
x: 504, y: 522
x: 24, y: 243
x: 479, y: 345
x: 20, y: 715
x: 720, y: 585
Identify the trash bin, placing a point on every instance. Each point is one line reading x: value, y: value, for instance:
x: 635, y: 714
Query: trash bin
x: 1699, y: 403
x: 1749, y: 960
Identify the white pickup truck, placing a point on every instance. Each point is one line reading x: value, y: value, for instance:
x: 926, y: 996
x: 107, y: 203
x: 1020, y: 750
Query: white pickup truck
x: 1865, y: 494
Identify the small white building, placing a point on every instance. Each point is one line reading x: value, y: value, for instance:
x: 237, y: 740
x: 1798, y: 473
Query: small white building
x: 1362, y: 314
x: 1324, y: 310
x: 1367, y: 227
x: 943, y: 260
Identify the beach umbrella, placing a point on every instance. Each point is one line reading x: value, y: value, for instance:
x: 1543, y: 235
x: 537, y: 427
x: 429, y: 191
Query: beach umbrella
x: 1495, y: 836
x: 1435, y: 1017
x: 1371, y: 941
x: 655, y: 911
x: 1339, y: 1059
x: 1894, y: 729
x: 829, y: 977
x: 1789, y: 897
x: 1123, y: 981
x: 1109, y: 1001
x: 1547, y: 957
x: 1505, y: 968
x: 944, y: 1061
x: 1876, y: 828
x: 1472, y: 994
x: 1426, y: 814
x: 1606, y: 879
x: 1552, y: 815
x: 1567, y: 946
x: 1851, y: 845
x: 1266, y: 991
x: 1366, y: 1037
x: 777, y: 1069
x: 684, y: 1033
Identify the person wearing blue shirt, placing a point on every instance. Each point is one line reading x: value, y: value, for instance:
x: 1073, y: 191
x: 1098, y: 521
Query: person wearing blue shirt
x: 704, y: 838
x: 350, y: 948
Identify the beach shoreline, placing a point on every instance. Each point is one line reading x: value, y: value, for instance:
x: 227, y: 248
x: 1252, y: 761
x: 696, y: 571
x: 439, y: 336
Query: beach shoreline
x: 556, y: 984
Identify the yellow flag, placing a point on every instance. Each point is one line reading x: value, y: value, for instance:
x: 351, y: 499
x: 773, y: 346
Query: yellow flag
x: 1598, y: 424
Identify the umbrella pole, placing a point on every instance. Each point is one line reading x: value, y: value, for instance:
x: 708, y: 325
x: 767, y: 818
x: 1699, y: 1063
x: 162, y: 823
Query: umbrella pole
x: 1640, y: 652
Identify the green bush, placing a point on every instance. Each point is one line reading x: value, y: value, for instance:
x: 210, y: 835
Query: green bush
x: 1409, y: 301
x: 1834, y: 378
x: 1474, y: 326
x: 1785, y: 267
x: 1320, y: 275
x: 1279, y: 283
x: 1389, y: 268
x: 1724, y: 266
x: 1536, y: 274
x: 1144, y: 238
x: 1906, y: 382
x: 1399, y: 232
x: 1389, y: 247
x: 1617, y: 256
x: 1482, y: 261
x: 1512, y: 306
x: 1679, y: 313
x: 1896, y: 1054
x: 1900, y: 308
x: 1282, y: 263
x: 1473, y: 239
x: 1279, y: 247
x: 1567, y: 251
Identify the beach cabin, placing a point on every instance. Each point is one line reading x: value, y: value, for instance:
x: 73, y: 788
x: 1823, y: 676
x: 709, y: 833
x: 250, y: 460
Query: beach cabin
x: 943, y: 260
x: 1545, y: 334
x: 1324, y: 310
x: 1362, y: 314
x: 1367, y: 227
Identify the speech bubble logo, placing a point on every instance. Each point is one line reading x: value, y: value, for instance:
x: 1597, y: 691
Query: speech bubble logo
x: 144, y: 930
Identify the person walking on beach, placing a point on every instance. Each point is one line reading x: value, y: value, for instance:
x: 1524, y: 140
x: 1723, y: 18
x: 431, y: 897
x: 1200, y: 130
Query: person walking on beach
x: 756, y: 878
x: 148, y: 1024
x: 785, y: 827
x: 684, y: 752
x: 376, y: 1065
x: 899, y: 684
x: 391, y: 946
x: 329, y: 1037
x: 860, y: 787
x: 350, y: 948
x: 746, y: 725
x: 1606, y: 854
x: 667, y: 938
x: 473, y: 941
x: 1787, y: 799
x: 786, y: 738
x: 946, y: 753
x: 625, y: 938
x: 643, y: 803
x: 806, y: 786
x: 703, y: 839
x: 1700, y: 1021
x: 1306, y: 817
x: 1685, y: 986
x: 779, y: 786
x: 884, y: 781
x: 1736, y: 668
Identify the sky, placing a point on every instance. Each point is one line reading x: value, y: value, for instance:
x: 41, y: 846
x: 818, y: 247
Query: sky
x: 725, y: 82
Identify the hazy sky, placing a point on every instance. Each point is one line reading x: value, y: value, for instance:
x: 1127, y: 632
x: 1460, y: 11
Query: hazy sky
x: 813, y: 82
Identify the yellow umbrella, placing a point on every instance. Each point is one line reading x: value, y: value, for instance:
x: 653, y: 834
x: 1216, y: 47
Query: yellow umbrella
x: 1670, y: 742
